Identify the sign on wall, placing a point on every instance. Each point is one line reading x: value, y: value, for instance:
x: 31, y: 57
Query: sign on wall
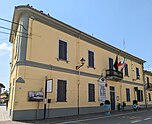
x: 49, y: 85
x: 35, y: 96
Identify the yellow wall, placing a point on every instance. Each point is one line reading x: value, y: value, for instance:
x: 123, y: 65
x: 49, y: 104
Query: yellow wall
x: 43, y: 48
x: 148, y: 91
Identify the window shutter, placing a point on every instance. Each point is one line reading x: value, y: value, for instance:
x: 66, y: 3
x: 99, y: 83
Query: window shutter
x: 148, y: 85
x: 62, y: 50
x: 91, y: 59
x: 61, y: 91
x: 64, y: 91
x: 141, y: 95
x: 128, y: 94
x: 110, y: 63
x: 126, y: 70
x: 91, y: 92
x: 137, y: 73
x: 149, y: 97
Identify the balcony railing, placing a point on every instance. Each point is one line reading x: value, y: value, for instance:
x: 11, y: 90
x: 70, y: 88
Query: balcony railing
x: 149, y: 86
x: 114, y: 75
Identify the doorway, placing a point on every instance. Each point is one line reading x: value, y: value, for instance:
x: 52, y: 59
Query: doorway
x: 112, y: 97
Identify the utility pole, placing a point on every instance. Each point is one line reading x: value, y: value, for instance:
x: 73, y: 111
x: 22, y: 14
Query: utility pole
x: 45, y: 97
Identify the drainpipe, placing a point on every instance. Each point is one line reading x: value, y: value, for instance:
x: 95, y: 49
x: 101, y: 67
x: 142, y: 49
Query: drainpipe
x: 79, y: 93
x: 145, y: 92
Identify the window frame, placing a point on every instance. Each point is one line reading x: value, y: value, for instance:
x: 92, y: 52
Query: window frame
x: 61, y: 98
x: 126, y: 70
x: 110, y: 63
x: 148, y: 83
x: 137, y: 73
x: 140, y: 96
x: 128, y: 98
x: 149, y: 96
x: 91, y: 95
x: 91, y: 64
x: 66, y: 52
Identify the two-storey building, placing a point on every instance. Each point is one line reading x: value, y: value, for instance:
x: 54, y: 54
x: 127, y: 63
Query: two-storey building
x: 58, y: 70
x: 148, y: 87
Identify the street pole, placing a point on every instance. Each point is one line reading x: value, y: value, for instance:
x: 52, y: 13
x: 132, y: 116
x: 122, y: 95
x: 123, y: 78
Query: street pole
x: 78, y: 92
x: 45, y: 97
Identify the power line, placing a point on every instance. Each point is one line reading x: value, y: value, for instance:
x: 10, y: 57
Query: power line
x: 12, y: 34
x: 13, y: 23
x: 12, y: 30
x: 18, y: 31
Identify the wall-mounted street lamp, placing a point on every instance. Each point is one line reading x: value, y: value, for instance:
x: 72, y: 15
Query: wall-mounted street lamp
x: 82, y: 63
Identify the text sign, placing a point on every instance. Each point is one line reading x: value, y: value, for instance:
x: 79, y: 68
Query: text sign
x: 49, y: 85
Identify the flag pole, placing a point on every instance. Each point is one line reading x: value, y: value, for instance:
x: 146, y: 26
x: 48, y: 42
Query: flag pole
x: 124, y: 45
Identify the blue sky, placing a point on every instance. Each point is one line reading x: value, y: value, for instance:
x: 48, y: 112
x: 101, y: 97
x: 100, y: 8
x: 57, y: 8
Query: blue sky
x: 111, y: 21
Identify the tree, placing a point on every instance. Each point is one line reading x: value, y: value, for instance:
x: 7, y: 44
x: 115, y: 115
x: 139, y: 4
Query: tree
x: 1, y: 85
x: 6, y: 96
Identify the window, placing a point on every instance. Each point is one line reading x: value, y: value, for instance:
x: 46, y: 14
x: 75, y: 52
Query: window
x: 62, y: 50
x: 91, y: 92
x: 110, y: 63
x: 128, y: 94
x: 61, y: 91
x: 149, y: 96
x: 91, y: 59
x: 126, y: 70
x: 148, y: 85
x: 140, y: 95
x: 137, y: 73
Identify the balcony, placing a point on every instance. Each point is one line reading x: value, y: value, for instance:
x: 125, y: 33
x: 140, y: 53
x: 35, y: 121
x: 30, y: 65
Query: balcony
x: 149, y: 86
x: 114, y: 75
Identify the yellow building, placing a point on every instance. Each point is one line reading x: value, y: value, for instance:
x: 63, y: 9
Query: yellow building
x: 148, y: 87
x: 75, y: 69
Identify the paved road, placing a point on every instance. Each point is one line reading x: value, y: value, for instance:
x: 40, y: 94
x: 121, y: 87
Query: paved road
x: 124, y: 117
x: 141, y: 117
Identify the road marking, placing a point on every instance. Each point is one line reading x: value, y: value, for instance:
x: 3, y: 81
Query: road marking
x: 95, y: 118
x: 135, y: 121
x: 147, y: 119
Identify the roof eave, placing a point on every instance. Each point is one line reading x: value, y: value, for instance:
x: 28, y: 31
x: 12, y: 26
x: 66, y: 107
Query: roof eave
x: 76, y: 32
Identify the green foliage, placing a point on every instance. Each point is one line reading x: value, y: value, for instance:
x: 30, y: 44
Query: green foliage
x: 6, y: 96
x: 1, y: 85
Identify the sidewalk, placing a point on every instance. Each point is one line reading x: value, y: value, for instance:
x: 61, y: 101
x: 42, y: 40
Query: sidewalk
x: 4, y: 119
x: 4, y: 114
x: 81, y: 117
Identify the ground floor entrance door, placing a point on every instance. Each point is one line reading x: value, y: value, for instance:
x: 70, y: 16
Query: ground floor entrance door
x: 112, y: 97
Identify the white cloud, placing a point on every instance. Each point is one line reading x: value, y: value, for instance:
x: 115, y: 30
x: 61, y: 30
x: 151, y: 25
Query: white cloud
x: 5, y: 49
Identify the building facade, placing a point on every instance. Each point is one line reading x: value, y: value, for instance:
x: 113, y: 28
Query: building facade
x: 57, y: 70
x: 148, y: 87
